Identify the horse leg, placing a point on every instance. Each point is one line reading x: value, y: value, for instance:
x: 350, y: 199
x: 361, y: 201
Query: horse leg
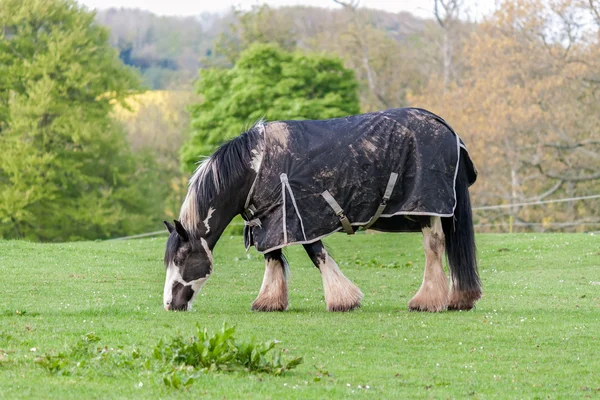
x: 433, y: 294
x: 273, y: 295
x: 340, y: 293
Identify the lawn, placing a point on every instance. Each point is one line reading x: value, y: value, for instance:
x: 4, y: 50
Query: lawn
x: 535, y: 333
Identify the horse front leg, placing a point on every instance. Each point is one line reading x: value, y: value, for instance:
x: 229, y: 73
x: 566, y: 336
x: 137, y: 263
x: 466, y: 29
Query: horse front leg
x: 273, y: 295
x: 340, y: 293
x: 433, y: 294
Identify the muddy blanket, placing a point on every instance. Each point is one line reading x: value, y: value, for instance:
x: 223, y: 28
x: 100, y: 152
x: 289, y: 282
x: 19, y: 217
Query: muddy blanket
x: 319, y: 177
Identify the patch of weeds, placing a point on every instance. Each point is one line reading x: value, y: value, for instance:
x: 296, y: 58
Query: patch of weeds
x: 375, y: 263
x: 77, y: 356
x: 218, y: 352
x: 321, y: 373
x: 4, y: 356
x: 180, y: 361
x: 18, y: 313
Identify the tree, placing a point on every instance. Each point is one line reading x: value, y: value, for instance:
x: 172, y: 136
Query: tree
x: 529, y: 110
x: 386, y: 55
x: 261, y: 24
x: 156, y: 122
x: 385, y: 50
x: 266, y: 82
x: 66, y: 171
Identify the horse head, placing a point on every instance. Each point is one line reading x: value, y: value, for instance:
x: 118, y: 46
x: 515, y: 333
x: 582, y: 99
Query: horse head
x: 188, y: 261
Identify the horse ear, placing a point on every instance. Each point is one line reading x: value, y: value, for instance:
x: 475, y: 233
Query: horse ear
x: 169, y: 226
x: 181, y: 231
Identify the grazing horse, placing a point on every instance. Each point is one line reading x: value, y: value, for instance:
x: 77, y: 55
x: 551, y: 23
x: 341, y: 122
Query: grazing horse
x: 295, y: 182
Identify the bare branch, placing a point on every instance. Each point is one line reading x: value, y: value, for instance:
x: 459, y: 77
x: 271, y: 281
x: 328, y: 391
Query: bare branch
x: 550, y: 191
x: 351, y: 4
x: 583, y: 178
x: 566, y: 146
x: 594, y: 11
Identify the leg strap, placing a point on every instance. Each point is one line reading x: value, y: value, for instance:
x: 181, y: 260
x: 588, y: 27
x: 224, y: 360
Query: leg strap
x: 386, y: 196
x: 339, y: 212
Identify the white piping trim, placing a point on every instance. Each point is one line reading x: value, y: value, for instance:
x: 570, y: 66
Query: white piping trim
x: 424, y: 214
x: 456, y: 171
x: 284, y: 209
x: 281, y: 246
x: 286, y: 182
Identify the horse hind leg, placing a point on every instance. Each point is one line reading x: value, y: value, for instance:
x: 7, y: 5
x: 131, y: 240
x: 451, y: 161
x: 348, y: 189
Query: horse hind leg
x: 433, y: 294
x: 340, y: 293
x: 273, y: 295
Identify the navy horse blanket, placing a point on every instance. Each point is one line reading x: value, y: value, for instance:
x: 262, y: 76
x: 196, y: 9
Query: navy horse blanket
x: 323, y: 176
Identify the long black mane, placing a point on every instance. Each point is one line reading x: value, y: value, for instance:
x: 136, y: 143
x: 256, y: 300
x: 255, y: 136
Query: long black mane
x: 229, y: 164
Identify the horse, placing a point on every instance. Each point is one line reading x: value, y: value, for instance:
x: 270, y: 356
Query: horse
x: 296, y: 182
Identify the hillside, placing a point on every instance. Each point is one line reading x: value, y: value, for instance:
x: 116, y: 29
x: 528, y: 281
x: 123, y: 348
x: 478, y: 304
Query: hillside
x: 170, y: 50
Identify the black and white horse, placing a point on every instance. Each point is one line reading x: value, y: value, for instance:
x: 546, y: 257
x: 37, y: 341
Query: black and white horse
x: 295, y: 182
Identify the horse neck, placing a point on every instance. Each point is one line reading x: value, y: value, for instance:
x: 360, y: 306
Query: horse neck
x: 228, y: 204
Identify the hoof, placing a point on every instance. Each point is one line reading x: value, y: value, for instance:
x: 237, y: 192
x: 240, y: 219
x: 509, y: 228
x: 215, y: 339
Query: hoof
x: 269, y: 305
x: 430, y: 300
x: 346, y: 300
x: 343, y: 307
x: 420, y: 304
x: 463, y: 300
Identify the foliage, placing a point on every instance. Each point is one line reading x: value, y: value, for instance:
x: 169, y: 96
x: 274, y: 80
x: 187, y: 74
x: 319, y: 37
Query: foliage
x: 528, y: 109
x: 220, y: 352
x: 166, y: 50
x: 261, y: 24
x: 389, y: 53
x: 180, y: 359
x: 156, y: 122
x: 65, y: 362
x: 387, y: 60
x: 540, y: 310
x: 266, y: 82
x: 66, y: 171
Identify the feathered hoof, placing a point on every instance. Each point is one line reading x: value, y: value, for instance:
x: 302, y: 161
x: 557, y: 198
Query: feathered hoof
x: 269, y: 305
x: 342, y: 307
x: 426, y: 305
x: 349, y: 301
x: 463, y: 300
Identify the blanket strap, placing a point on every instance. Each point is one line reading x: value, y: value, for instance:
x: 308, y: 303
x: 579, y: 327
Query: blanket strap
x: 386, y: 196
x: 338, y: 211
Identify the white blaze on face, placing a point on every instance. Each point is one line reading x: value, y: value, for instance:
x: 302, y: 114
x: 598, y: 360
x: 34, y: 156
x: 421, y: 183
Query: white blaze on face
x: 174, y: 276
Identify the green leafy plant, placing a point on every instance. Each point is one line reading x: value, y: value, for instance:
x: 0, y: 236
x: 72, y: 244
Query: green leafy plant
x: 180, y: 360
x: 63, y: 362
x: 220, y: 352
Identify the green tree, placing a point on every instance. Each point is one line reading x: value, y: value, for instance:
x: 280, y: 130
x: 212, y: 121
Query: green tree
x: 66, y: 171
x: 271, y: 83
x: 260, y: 24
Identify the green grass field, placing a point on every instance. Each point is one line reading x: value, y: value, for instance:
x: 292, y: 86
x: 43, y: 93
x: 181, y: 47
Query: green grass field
x: 535, y: 333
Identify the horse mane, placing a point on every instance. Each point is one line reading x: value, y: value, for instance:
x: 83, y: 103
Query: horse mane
x: 227, y: 165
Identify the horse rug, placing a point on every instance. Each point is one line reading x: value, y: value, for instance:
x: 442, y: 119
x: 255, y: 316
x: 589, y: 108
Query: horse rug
x: 317, y: 177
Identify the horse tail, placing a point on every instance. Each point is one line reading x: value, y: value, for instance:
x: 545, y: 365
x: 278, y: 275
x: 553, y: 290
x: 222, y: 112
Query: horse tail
x: 460, y: 239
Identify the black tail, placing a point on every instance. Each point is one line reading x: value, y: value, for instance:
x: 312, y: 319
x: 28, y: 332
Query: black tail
x: 460, y: 237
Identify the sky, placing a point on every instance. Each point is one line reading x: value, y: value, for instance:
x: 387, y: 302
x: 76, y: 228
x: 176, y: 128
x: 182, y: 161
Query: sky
x: 421, y: 8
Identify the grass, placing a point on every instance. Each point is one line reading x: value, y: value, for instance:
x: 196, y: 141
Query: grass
x: 535, y: 334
